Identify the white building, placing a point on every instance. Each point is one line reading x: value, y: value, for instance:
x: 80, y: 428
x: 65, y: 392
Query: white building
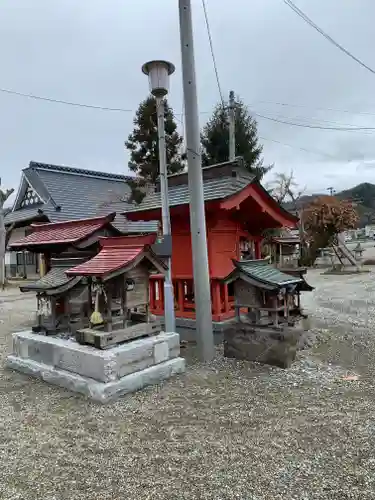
x: 370, y: 230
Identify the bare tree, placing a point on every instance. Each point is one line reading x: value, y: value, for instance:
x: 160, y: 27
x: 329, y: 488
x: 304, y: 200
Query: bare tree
x: 4, y: 195
x: 284, y: 188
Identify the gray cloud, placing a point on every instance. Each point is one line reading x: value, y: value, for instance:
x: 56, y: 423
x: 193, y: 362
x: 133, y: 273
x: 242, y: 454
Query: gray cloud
x: 93, y: 52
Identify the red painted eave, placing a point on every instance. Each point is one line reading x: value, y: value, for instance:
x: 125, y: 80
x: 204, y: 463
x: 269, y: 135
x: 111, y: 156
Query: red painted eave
x: 56, y: 233
x: 116, y: 253
x: 125, y: 241
x: 264, y: 200
x: 108, y: 260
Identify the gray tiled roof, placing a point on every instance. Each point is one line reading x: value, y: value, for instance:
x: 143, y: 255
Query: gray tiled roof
x: 71, y: 193
x: 141, y: 226
x: 213, y: 189
x: 264, y: 272
x: 55, y: 278
x: 23, y: 214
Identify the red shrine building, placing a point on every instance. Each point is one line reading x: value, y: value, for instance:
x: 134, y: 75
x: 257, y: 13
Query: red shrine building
x: 238, y: 210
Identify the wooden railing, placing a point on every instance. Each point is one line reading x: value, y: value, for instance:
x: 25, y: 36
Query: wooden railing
x: 222, y: 303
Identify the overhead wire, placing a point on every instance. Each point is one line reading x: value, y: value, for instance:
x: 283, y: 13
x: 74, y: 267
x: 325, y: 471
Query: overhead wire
x: 315, y: 152
x: 316, y: 108
x: 212, y: 51
x: 306, y: 150
x: 303, y: 16
x: 117, y: 109
x: 306, y: 125
x: 59, y: 101
x: 314, y: 120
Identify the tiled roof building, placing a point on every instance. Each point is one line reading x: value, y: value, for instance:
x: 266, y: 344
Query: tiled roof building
x: 57, y: 193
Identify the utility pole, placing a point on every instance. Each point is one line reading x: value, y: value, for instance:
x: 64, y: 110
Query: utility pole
x: 202, y: 293
x: 4, y: 195
x: 232, y: 127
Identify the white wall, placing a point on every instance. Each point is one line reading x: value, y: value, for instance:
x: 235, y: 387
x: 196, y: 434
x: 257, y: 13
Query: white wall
x: 370, y: 230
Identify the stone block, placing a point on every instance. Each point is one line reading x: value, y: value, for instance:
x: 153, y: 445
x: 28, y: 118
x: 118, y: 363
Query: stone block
x: 140, y: 354
x: 98, y: 391
x: 161, y: 352
x: 66, y: 363
x: 86, y: 362
x: 263, y: 345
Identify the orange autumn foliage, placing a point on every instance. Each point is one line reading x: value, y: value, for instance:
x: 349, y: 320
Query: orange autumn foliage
x: 330, y: 216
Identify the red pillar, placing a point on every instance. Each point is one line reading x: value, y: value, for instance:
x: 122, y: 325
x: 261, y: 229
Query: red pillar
x: 216, y: 298
x: 257, y: 245
x: 161, y: 292
x: 152, y: 295
x: 180, y: 295
x: 226, y: 297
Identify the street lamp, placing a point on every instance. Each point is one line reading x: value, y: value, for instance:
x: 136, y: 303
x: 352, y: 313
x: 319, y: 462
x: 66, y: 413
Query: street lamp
x: 158, y: 73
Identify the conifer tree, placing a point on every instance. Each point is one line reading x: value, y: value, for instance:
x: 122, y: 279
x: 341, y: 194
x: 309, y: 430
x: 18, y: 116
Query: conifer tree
x: 143, y: 146
x: 215, y: 139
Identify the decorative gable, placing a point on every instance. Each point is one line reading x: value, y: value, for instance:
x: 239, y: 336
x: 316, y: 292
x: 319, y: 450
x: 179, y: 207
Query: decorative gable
x: 30, y: 198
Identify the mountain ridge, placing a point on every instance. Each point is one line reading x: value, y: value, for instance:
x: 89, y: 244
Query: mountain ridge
x: 362, y: 194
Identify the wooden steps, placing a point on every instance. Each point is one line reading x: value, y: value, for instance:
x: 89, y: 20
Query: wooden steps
x: 105, y: 340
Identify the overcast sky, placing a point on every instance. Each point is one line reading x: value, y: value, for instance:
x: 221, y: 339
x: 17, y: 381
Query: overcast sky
x: 92, y: 52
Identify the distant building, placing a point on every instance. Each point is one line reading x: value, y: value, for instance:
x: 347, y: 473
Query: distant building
x: 52, y: 193
x: 352, y: 234
x: 370, y: 230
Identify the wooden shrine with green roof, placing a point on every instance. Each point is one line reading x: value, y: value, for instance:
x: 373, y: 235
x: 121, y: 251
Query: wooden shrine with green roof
x: 268, y: 296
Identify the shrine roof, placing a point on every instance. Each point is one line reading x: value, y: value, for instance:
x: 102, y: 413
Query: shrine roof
x: 262, y: 273
x: 53, y: 282
x: 287, y: 240
x: 120, y: 253
x: 287, y: 236
x: 226, y: 183
x: 62, y: 232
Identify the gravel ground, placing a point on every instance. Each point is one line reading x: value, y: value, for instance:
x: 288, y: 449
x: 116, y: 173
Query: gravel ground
x: 224, y: 430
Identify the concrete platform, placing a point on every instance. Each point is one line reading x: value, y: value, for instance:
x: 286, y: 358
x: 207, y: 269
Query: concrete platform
x: 187, y: 328
x: 100, y: 375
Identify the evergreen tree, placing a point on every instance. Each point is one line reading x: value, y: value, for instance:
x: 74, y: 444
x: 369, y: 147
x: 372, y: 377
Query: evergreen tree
x: 215, y: 139
x: 143, y: 146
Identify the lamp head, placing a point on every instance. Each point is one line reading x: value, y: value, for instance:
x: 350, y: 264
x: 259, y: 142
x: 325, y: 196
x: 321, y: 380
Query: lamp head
x: 158, y: 76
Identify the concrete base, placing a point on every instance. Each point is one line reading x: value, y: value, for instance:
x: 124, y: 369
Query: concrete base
x: 263, y: 345
x: 100, y: 375
x: 187, y: 328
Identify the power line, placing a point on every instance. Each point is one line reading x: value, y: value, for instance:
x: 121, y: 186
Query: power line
x: 306, y: 125
x: 106, y: 108
x: 320, y: 153
x: 212, y: 51
x: 316, y: 108
x: 301, y: 14
x: 59, y: 101
x: 314, y: 120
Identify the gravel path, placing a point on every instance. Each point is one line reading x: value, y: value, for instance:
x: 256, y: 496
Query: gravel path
x: 224, y: 430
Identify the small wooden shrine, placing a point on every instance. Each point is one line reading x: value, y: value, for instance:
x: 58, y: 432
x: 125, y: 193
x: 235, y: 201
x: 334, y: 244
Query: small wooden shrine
x: 268, y: 296
x: 238, y: 210
x: 285, y: 250
x: 117, y: 280
x: 62, y: 301
x: 70, y: 239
